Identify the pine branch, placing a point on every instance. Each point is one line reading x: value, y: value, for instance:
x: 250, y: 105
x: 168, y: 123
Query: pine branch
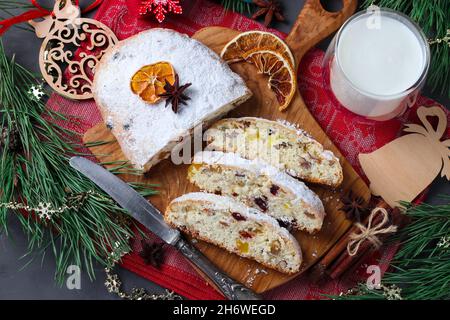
x: 240, y: 6
x: 35, y: 170
x: 434, y: 18
x: 421, y: 268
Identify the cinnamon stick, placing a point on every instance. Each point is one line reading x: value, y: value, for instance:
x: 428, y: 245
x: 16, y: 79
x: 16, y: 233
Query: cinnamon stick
x: 339, y: 250
x: 345, y: 262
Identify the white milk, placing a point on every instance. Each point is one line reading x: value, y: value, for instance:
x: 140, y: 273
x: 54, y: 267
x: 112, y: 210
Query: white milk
x: 376, y: 68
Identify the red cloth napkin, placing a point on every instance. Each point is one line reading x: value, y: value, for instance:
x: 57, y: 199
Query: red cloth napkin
x: 351, y: 133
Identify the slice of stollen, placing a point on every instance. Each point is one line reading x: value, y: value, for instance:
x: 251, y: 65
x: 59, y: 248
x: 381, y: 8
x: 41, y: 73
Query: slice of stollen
x: 279, y: 143
x: 260, y: 186
x: 236, y: 228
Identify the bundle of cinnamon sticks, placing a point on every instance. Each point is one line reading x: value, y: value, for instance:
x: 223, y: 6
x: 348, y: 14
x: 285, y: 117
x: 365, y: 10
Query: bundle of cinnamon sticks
x: 338, y: 261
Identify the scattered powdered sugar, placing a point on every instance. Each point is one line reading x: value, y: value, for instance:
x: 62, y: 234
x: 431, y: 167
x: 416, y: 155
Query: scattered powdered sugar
x: 252, y: 274
x: 145, y: 129
x: 294, y: 127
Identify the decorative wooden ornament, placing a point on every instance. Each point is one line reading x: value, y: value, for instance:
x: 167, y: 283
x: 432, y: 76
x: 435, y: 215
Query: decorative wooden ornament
x: 72, y: 48
x: 403, y: 168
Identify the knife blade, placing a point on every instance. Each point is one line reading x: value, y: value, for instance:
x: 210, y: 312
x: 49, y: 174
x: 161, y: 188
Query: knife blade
x: 144, y: 212
x: 138, y: 207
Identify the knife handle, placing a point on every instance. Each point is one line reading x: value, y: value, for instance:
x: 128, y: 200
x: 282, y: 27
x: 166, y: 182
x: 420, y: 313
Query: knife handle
x: 229, y: 288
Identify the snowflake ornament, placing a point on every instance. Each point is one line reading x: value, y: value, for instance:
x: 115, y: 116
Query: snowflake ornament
x: 392, y: 293
x: 44, y: 211
x: 36, y: 92
x: 112, y: 282
x: 444, y: 242
x: 160, y: 8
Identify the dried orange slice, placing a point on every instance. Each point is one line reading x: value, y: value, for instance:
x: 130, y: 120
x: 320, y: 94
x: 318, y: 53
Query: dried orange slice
x: 250, y: 41
x: 282, y: 80
x: 148, y: 82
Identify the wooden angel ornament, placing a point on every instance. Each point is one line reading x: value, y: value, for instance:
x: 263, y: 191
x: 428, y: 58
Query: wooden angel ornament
x: 72, y: 48
x: 403, y: 168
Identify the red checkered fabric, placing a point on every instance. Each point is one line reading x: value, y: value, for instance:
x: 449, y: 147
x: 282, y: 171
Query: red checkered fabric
x: 351, y: 133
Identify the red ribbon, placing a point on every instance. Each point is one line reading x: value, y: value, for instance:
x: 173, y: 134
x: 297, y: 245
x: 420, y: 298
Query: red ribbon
x: 39, y: 12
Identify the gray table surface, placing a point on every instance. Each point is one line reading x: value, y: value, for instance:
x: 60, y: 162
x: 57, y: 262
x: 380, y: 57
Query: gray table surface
x: 20, y: 279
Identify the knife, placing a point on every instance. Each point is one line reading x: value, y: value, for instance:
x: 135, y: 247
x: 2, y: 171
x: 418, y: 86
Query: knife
x: 150, y: 217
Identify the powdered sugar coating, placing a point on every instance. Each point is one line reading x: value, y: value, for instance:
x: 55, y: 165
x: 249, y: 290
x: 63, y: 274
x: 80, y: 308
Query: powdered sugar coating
x: 144, y: 130
x: 260, y: 167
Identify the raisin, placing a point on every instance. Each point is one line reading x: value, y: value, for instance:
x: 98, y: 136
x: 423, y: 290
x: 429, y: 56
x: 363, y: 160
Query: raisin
x: 285, y: 224
x: 240, y: 175
x: 274, y: 189
x: 245, y: 234
x: 238, y: 216
x: 234, y: 194
x: 218, y: 192
x: 262, y: 203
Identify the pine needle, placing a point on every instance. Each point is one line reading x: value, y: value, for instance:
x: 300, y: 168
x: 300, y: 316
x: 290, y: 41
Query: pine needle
x: 241, y: 6
x: 40, y: 173
x: 421, y: 268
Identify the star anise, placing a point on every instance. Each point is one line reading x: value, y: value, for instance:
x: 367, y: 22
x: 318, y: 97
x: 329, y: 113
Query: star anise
x: 354, y: 207
x: 152, y: 253
x: 175, y: 94
x: 270, y: 9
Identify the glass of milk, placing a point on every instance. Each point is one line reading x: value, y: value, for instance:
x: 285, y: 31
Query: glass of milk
x: 377, y: 63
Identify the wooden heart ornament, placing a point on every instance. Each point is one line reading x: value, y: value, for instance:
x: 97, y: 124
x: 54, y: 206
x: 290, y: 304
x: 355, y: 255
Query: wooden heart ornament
x: 403, y: 168
x: 72, y: 48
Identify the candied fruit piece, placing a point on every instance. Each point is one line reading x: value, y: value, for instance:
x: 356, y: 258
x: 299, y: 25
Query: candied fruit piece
x: 245, y: 234
x: 275, y: 247
x: 243, y: 247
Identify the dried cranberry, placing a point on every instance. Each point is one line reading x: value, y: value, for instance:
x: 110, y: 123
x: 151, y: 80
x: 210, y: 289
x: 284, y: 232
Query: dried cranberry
x: 274, y: 189
x: 245, y: 234
x: 262, y: 203
x: 238, y: 216
x: 234, y: 194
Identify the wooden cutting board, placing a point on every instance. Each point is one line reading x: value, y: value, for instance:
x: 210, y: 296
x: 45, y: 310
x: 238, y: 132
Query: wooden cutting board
x: 313, y: 25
